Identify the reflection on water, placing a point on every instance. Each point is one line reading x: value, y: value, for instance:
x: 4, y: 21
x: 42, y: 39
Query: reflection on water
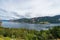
x: 28, y: 26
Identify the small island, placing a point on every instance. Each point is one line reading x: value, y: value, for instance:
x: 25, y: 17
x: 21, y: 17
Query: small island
x: 44, y: 22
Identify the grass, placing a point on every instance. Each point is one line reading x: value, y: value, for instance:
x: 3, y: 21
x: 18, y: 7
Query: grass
x: 7, y: 38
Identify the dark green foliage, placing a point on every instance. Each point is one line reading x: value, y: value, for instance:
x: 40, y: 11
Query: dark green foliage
x: 55, y: 32
x: 26, y: 34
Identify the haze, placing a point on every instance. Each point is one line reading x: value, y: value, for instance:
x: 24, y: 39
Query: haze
x: 14, y: 9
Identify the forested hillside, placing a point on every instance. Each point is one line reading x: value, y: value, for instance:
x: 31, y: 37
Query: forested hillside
x: 46, y: 19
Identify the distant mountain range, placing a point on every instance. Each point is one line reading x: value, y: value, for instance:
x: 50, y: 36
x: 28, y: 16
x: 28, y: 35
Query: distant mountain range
x: 46, y: 19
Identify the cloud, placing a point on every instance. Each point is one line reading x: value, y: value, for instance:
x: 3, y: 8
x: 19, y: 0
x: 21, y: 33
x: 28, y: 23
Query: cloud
x: 45, y: 7
x: 8, y: 15
x: 29, y: 8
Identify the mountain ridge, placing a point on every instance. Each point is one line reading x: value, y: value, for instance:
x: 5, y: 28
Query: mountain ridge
x: 54, y: 19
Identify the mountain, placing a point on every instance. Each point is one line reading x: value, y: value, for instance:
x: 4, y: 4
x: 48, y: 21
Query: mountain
x: 46, y: 19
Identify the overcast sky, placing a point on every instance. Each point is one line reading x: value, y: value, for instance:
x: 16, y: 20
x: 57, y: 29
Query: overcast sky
x: 10, y: 9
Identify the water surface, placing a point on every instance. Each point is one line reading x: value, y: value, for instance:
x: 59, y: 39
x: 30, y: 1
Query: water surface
x: 28, y: 26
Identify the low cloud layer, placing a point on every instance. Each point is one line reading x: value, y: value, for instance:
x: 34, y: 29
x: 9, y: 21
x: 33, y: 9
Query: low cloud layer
x: 11, y: 9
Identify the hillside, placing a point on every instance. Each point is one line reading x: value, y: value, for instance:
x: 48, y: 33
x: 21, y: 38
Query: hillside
x: 47, y: 19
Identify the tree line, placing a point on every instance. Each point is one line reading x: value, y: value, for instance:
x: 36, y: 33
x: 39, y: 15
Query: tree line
x: 26, y: 34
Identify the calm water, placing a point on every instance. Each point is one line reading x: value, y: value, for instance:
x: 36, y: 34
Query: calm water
x: 28, y: 26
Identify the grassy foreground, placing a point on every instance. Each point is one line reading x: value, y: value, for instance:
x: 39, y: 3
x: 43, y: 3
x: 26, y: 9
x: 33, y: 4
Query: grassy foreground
x: 26, y: 34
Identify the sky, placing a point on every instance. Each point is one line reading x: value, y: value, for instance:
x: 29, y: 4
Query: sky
x: 15, y: 9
